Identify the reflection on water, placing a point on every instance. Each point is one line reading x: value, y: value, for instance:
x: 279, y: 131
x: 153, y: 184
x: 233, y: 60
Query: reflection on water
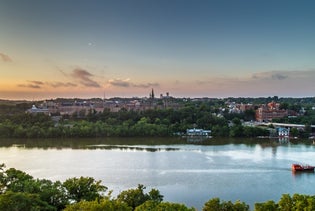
x: 85, y: 143
x: 302, y: 173
x: 139, y: 148
x: 111, y: 143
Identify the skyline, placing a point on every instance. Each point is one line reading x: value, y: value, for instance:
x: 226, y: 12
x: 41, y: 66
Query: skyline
x: 86, y: 49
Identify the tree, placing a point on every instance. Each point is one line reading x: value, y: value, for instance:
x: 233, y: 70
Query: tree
x: 237, y: 131
x: 84, y: 188
x: 266, y: 206
x: 212, y: 205
x: 294, y: 132
x: 136, y: 197
x: 155, y: 195
x: 284, y: 106
x: 53, y: 193
x: 216, y: 205
x: 15, y: 180
x: 299, y: 202
x: 154, y: 206
x: 23, y: 201
x: 285, y: 203
x: 99, y: 205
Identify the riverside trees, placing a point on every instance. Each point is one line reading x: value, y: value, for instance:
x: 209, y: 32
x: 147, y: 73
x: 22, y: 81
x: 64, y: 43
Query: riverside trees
x: 152, y: 122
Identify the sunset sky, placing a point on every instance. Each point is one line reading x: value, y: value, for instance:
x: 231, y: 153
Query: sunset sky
x: 124, y: 48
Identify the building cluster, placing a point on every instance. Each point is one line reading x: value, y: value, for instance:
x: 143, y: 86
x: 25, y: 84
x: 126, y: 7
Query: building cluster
x: 263, y: 113
x: 239, y: 108
x: 82, y: 107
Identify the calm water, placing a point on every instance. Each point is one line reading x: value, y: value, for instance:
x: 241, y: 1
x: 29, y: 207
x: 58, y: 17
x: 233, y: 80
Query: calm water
x: 190, y: 173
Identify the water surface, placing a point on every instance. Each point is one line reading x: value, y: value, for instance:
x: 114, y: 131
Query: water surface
x: 185, y: 172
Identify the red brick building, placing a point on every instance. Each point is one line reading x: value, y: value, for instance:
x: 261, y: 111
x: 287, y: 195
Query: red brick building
x: 270, y: 111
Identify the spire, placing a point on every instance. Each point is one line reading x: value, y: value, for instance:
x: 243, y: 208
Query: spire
x: 152, y: 94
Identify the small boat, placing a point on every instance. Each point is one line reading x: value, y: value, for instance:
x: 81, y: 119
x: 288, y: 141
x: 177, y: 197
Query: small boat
x: 300, y: 167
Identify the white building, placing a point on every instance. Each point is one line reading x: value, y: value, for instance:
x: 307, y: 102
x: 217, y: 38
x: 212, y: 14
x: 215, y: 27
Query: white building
x: 283, y: 132
x: 198, y: 132
x: 35, y: 110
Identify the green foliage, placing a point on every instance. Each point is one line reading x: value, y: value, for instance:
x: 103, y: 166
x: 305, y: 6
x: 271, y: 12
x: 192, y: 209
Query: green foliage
x: 266, y: 206
x: 84, y: 188
x: 216, y: 205
x: 154, y: 195
x: 298, y: 202
x: 16, y: 181
x: 167, y: 206
x: 285, y: 203
x: 19, y: 201
x: 98, y: 205
x: 133, y: 197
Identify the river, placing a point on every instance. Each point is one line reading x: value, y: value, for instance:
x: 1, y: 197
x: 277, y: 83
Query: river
x: 251, y: 170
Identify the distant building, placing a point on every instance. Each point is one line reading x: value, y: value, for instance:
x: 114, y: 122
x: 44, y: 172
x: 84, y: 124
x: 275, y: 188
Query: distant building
x: 198, y: 132
x: 35, y: 110
x: 245, y: 107
x: 270, y: 111
x: 283, y: 132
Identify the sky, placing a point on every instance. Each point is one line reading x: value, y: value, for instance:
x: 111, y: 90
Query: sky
x: 126, y: 48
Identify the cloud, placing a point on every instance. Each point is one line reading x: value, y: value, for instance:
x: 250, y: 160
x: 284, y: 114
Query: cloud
x: 279, y: 76
x: 5, y: 58
x: 62, y: 84
x: 32, y: 84
x: 147, y: 85
x: 37, y: 82
x: 273, y: 75
x: 125, y: 83
x: 120, y: 82
x: 84, y: 77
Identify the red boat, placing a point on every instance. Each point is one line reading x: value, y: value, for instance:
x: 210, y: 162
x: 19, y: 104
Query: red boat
x: 300, y: 167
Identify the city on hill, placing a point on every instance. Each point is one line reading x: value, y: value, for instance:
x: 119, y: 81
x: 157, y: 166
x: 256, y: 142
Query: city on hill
x: 159, y: 116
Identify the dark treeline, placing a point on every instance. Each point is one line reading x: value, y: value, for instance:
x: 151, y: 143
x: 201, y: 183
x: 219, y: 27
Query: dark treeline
x: 19, y: 191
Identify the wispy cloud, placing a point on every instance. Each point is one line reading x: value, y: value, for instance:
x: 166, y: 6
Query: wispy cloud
x: 147, y: 85
x: 125, y: 83
x: 120, y: 82
x: 62, y: 84
x: 273, y: 75
x: 37, y: 82
x: 5, y: 58
x: 32, y: 84
x: 40, y: 84
x: 84, y: 77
